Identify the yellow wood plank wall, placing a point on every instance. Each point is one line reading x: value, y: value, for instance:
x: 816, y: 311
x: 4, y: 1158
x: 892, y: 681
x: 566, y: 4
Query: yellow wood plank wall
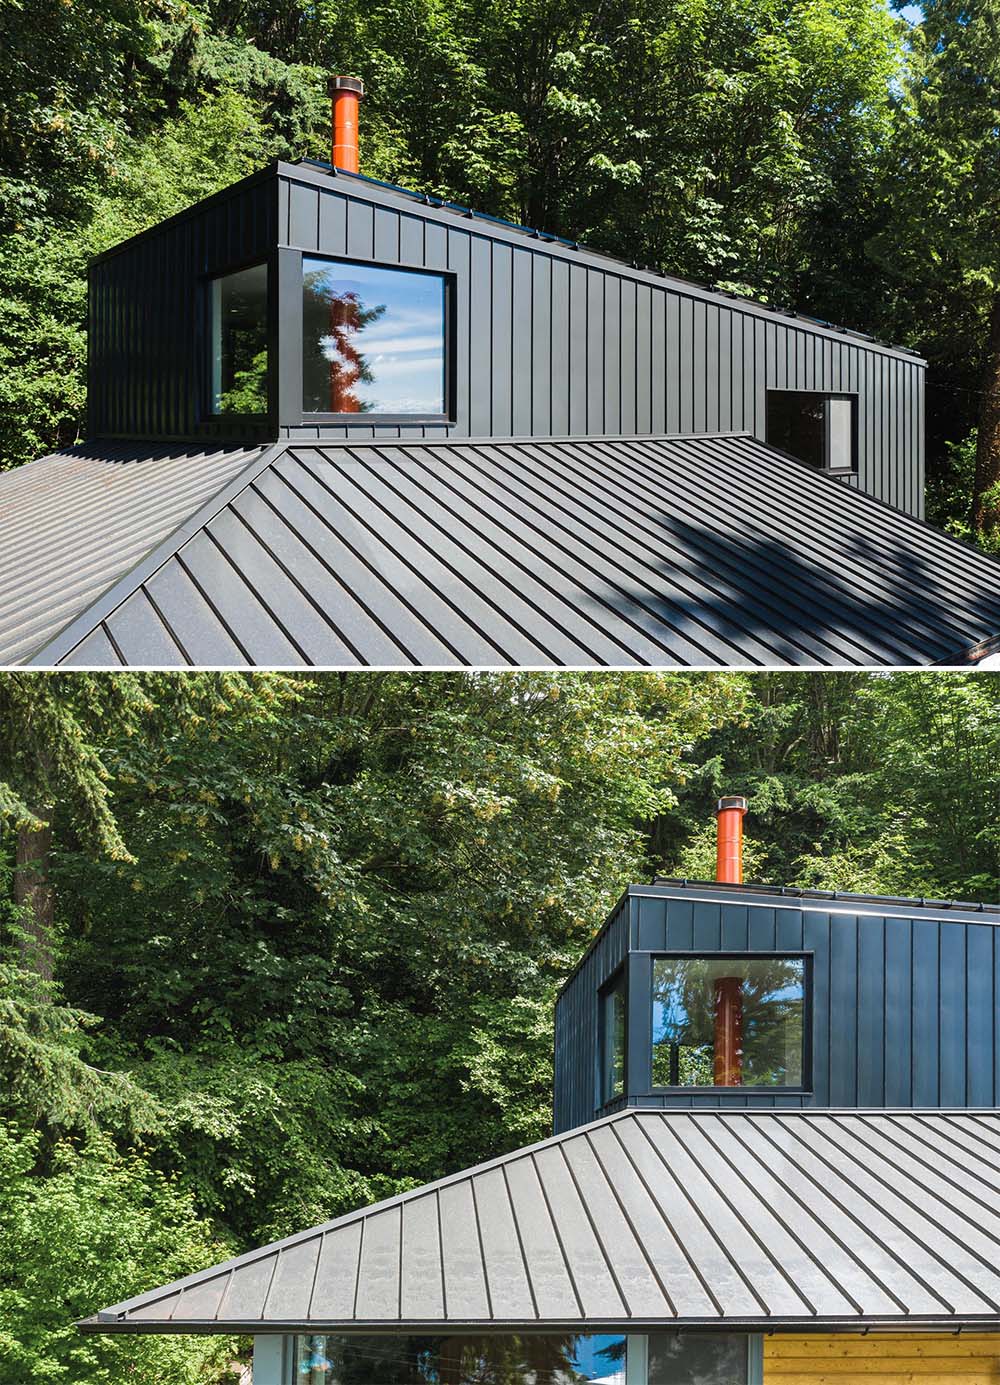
x: 883, y: 1359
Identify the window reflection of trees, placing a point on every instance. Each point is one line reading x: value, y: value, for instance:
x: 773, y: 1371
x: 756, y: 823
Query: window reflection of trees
x: 684, y: 1018
x: 488, y: 1360
x: 334, y: 363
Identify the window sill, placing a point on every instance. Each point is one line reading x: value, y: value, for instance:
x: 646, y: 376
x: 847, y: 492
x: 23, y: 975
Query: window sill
x: 382, y: 420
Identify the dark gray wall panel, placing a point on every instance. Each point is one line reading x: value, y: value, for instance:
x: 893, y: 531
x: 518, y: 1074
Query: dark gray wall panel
x: 576, y: 1024
x: 904, y: 1004
x: 558, y: 345
x: 148, y: 307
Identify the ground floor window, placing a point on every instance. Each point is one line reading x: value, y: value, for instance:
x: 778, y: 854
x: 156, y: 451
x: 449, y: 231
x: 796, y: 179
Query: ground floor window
x: 669, y: 1358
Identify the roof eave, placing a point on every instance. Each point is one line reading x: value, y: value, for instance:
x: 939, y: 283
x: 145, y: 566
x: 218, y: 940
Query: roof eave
x: 987, y: 1322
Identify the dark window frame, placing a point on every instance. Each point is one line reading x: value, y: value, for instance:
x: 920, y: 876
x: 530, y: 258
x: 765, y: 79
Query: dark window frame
x: 805, y: 1088
x: 206, y: 290
x: 617, y: 982
x: 449, y: 281
x: 852, y: 396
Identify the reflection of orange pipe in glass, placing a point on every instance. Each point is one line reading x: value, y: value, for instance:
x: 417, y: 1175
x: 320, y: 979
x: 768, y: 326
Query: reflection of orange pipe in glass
x: 728, y: 1031
x: 345, y: 358
x: 729, y: 989
x: 346, y: 94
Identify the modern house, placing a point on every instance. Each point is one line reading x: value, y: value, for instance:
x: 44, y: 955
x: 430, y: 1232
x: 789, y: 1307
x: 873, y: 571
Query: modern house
x: 776, y: 1161
x: 332, y: 421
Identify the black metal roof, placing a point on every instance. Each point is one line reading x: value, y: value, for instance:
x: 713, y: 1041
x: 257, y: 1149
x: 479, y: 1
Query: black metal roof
x: 709, y: 550
x: 752, y: 1220
x: 72, y: 523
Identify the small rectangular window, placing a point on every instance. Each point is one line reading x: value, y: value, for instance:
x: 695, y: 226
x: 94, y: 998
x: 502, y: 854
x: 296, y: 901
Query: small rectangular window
x: 816, y: 428
x: 728, y: 1021
x: 613, y: 1011
x: 239, y: 342
x: 373, y: 339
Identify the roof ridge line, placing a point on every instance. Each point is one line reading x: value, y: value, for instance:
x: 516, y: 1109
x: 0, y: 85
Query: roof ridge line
x: 83, y: 624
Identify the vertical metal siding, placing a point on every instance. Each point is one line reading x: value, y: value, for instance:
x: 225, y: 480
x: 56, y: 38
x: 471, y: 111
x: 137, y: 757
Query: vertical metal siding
x: 544, y: 346
x: 904, y: 1010
x: 148, y: 351
x: 576, y: 1055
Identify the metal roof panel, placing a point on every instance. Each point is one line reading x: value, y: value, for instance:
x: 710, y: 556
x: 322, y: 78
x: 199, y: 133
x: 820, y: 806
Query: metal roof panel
x: 762, y: 1220
x: 702, y: 550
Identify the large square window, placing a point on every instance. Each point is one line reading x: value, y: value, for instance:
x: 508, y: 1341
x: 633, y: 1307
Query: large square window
x: 612, y: 1027
x: 373, y: 339
x: 729, y: 1021
x: 239, y: 342
x: 816, y: 428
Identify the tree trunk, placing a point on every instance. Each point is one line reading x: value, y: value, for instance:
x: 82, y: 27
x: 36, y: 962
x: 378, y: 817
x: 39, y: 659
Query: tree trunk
x: 986, y: 505
x: 33, y: 890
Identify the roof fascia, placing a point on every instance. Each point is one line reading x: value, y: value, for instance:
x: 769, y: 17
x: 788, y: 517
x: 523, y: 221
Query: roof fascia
x: 859, y: 1326
x: 773, y: 897
x: 361, y: 190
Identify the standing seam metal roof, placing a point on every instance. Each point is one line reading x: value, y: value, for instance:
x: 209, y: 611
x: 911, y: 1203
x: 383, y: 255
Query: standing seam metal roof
x: 701, y: 550
x: 74, y: 522
x: 754, y: 1220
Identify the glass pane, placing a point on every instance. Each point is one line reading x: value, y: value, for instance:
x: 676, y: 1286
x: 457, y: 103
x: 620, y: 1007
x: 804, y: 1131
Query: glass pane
x: 495, y: 1360
x: 796, y: 423
x: 727, y: 1021
x: 373, y: 339
x: 697, y: 1358
x: 840, y: 433
x: 613, y: 1041
x: 239, y: 342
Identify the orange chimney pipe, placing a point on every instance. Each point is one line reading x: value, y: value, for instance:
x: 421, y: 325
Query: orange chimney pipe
x: 728, y: 1037
x: 345, y: 94
x: 729, y: 843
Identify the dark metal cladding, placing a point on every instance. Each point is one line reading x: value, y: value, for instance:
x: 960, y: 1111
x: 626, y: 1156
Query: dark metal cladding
x: 905, y: 996
x: 693, y: 551
x: 148, y: 349
x: 549, y: 338
x: 736, y: 1220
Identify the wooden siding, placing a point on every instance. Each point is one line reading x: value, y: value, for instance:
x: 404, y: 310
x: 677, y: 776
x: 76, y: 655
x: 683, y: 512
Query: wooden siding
x: 885, y: 1359
x: 904, y: 1009
x: 555, y: 342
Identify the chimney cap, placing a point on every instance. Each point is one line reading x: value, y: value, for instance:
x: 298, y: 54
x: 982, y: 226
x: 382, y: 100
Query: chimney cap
x: 738, y: 802
x: 335, y: 84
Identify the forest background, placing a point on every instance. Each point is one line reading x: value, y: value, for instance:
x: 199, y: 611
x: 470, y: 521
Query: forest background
x: 825, y: 155
x: 272, y: 948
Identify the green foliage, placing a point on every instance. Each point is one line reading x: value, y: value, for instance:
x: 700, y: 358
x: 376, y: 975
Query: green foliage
x: 881, y: 784
x: 950, y: 494
x: 311, y: 957
x: 93, y: 1228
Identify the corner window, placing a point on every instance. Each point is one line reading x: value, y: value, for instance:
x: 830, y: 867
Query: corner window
x: 816, y: 428
x: 239, y: 342
x: 373, y: 339
x: 729, y: 1021
x: 612, y: 1027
